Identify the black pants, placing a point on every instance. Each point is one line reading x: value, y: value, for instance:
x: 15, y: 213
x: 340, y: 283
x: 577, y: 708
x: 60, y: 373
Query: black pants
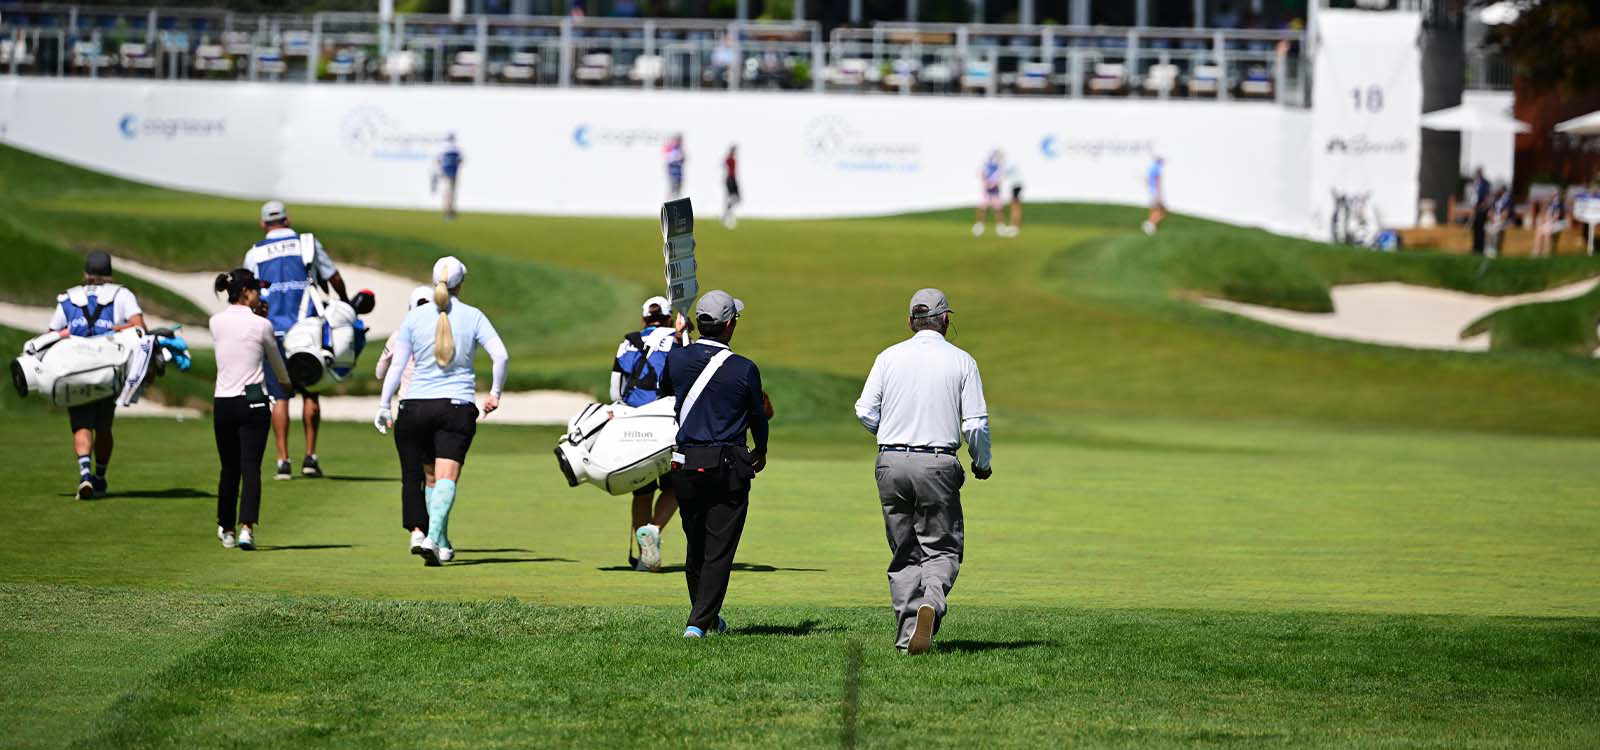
x: 426, y: 429
x: 1478, y: 224
x: 241, y: 429
x: 713, y: 519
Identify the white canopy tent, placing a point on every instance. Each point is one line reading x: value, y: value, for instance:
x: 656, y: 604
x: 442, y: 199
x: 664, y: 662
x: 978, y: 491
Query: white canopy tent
x: 1588, y: 124
x: 1472, y: 118
x: 1487, y: 132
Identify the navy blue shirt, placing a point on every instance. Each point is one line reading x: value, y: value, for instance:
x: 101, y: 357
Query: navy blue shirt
x: 730, y: 404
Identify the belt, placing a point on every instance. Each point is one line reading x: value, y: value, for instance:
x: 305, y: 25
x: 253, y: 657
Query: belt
x: 917, y: 449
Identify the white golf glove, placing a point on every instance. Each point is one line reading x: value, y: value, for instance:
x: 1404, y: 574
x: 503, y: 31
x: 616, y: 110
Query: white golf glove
x: 383, y: 420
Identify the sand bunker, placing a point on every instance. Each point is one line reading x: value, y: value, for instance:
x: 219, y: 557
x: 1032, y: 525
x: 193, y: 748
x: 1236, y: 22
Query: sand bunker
x: 1395, y: 314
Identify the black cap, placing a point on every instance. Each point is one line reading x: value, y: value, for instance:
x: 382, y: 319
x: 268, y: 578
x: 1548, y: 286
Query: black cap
x: 97, y: 264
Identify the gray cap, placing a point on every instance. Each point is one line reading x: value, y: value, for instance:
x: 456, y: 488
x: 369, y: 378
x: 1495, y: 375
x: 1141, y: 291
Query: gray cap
x: 931, y: 301
x: 273, y: 211
x: 98, y: 263
x: 717, y: 306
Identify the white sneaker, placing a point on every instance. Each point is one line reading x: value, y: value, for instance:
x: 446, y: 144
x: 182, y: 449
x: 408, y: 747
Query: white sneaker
x: 226, y: 536
x: 417, y: 538
x: 1148, y: 227
x: 649, y: 538
x: 247, y: 539
x: 446, y: 554
x: 977, y: 229
x: 429, y: 553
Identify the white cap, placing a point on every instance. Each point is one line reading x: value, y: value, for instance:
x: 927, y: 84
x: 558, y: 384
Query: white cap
x: 273, y: 211
x: 419, y: 295
x: 449, y: 270
x: 663, y: 307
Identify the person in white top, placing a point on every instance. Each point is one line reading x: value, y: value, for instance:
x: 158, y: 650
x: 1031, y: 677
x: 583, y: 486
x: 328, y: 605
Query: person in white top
x: 422, y: 295
x: 97, y: 307
x: 242, y: 411
x: 921, y: 398
x: 437, y: 417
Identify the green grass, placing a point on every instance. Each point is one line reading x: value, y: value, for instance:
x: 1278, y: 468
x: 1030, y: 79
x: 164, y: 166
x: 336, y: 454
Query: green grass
x: 1202, y: 530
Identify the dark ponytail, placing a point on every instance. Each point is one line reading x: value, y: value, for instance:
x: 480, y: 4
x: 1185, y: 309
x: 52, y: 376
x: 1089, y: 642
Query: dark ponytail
x: 235, y: 282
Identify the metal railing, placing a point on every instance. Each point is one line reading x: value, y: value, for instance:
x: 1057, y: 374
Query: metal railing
x: 891, y: 58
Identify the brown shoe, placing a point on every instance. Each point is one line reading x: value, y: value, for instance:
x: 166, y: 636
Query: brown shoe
x: 922, y: 636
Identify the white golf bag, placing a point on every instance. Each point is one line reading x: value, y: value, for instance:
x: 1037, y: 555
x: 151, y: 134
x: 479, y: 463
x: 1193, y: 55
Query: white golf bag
x: 322, y: 347
x: 618, y: 448
x: 78, y: 370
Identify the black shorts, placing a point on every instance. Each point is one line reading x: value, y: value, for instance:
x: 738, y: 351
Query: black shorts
x: 663, y: 484
x: 437, y: 427
x: 95, y: 415
x: 733, y: 187
x: 1016, y: 192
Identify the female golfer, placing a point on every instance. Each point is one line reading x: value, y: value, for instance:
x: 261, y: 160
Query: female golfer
x: 437, y: 417
x: 242, y: 412
x: 413, y: 518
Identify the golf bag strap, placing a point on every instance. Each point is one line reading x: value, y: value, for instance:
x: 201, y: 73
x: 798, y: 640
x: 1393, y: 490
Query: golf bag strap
x: 637, y: 342
x: 693, y: 398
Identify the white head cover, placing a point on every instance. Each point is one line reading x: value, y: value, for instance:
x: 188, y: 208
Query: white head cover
x: 419, y: 295
x: 663, y: 307
x: 449, y: 270
x: 273, y: 211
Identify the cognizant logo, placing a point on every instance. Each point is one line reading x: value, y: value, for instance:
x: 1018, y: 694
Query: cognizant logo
x: 132, y: 126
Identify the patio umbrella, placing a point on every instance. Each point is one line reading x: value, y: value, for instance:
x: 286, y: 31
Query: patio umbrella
x: 1588, y: 124
x: 1470, y: 119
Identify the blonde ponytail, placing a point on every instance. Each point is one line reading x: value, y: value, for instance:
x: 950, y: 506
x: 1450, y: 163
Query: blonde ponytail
x: 444, y: 340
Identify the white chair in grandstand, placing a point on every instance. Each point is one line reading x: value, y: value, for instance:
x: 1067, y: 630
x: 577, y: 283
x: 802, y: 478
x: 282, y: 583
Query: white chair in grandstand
x: 902, y: 74
x: 593, y: 68
x: 343, y: 64
x: 1257, y: 82
x: 522, y: 68
x: 87, y: 56
x: 210, y: 58
x: 135, y: 57
x: 647, y: 69
x: 1034, y: 77
x: 269, y: 62
x: 237, y: 43
x: 1108, y: 78
x: 978, y: 76
x: 15, y: 51
x: 296, y: 44
x: 849, y: 73
x: 936, y: 76
x: 1206, y: 80
x: 465, y: 66
x: 1160, y: 79
x: 400, y: 65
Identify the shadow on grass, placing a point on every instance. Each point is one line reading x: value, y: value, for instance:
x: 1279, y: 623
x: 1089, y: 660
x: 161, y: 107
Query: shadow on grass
x: 336, y: 478
x: 507, y: 560
x: 737, y: 568
x: 486, y: 551
x: 973, y: 647
x: 173, y: 493
x: 802, y: 628
x: 294, y: 547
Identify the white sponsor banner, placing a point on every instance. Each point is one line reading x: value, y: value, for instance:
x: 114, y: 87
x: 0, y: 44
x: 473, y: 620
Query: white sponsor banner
x: 551, y: 151
x: 1366, y: 114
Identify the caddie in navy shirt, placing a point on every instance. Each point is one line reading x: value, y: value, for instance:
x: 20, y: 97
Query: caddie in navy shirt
x: 718, y: 399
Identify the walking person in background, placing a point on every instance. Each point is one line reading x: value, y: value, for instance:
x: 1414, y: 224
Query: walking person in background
x: 276, y: 260
x: 1481, y: 200
x: 718, y: 400
x: 1550, y: 222
x: 96, y: 307
x: 991, y: 174
x: 921, y: 398
x: 1014, y: 184
x: 730, y: 184
x: 413, y: 515
x: 1158, y: 205
x: 636, y: 375
x: 246, y: 349
x: 673, y: 152
x: 437, y: 418
x: 1499, y: 217
x: 447, y: 170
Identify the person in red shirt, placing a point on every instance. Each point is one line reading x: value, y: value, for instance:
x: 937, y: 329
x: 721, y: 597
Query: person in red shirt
x: 730, y: 167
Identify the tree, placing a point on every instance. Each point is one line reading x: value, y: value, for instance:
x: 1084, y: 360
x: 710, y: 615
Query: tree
x: 1553, y: 45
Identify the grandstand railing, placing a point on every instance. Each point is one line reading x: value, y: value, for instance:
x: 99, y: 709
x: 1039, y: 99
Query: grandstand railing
x: 887, y: 58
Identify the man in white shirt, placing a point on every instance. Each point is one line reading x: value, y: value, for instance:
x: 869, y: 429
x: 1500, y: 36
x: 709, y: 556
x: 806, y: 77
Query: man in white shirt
x: 95, y: 308
x: 921, y: 398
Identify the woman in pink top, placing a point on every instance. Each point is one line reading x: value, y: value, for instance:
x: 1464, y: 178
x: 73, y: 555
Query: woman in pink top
x: 242, y: 413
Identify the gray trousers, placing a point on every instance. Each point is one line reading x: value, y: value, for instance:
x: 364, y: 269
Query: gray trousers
x: 921, y: 497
